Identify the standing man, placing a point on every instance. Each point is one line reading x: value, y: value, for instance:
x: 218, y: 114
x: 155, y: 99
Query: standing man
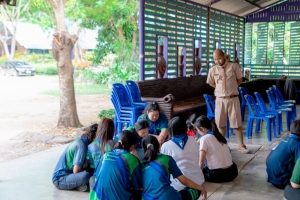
x: 226, y: 77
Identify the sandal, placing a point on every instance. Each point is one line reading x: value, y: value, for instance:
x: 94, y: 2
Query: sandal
x: 243, y: 149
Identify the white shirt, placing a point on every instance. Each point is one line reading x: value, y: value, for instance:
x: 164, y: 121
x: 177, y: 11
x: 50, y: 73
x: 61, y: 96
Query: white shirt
x: 187, y: 160
x: 217, y: 154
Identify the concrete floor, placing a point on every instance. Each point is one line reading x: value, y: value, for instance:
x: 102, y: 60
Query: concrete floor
x: 29, y: 177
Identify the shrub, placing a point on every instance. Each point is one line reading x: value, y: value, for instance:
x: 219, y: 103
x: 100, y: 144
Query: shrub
x: 110, y: 113
x: 47, y: 71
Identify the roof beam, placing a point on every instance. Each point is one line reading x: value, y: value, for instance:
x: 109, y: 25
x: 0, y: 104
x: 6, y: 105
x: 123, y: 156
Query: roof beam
x: 255, y: 4
x: 213, y: 2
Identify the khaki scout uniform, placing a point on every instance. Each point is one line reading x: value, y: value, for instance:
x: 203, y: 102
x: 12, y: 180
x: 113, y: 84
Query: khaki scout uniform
x: 227, y: 104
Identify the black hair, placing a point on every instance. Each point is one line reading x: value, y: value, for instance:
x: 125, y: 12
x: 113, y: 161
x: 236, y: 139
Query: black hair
x: 90, y: 134
x: 126, y: 140
x: 177, y: 126
x: 295, y: 127
x: 204, y: 122
x: 141, y: 124
x: 151, y: 148
x: 152, y: 106
x: 191, y: 120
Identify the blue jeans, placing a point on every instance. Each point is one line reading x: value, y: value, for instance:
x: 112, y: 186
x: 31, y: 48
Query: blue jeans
x: 72, y: 181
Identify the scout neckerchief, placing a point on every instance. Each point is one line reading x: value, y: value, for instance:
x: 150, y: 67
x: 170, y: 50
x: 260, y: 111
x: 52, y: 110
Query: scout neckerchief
x: 152, y: 127
x: 222, y: 69
x: 180, y: 140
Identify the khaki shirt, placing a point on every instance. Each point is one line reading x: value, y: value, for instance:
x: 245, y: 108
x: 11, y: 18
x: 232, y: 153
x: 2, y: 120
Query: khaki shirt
x: 233, y: 73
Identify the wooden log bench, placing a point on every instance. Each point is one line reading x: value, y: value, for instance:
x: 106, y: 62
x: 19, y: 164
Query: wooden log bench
x: 176, y: 96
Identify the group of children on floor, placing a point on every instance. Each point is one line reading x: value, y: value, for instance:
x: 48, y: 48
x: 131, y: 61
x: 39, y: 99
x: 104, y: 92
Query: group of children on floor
x: 155, y: 159
x: 283, y: 164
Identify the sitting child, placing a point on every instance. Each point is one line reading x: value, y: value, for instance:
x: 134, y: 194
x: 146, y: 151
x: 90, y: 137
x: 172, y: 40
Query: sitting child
x: 102, y: 143
x: 118, y: 175
x: 214, y: 149
x: 157, y: 169
x: 292, y: 192
x: 183, y: 150
x: 69, y: 172
x: 281, y: 161
x: 191, y: 131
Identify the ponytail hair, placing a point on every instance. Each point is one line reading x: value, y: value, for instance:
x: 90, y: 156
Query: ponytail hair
x: 204, y: 122
x: 151, y: 148
x: 217, y: 133
x: 126, y: 140
x: 191, y: 120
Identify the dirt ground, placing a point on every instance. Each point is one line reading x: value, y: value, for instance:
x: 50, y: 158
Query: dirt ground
x: 28, y: 117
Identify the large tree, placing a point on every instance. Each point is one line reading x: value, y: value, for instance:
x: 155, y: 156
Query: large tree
x: 11, y: 14
x: 117, y: 21
x: 63, y: 44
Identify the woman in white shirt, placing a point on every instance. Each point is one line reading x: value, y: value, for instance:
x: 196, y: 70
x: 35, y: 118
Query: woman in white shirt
x: 183, y: 149
x: 214, y: 149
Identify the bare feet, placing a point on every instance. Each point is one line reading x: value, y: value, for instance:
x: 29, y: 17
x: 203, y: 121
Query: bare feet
x: 243, y: 149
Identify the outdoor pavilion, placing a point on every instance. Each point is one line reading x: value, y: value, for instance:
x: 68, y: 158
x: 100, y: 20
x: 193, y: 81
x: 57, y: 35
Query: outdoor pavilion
x: 242, y: 29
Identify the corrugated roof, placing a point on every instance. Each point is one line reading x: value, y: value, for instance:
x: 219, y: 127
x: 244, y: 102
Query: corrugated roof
x: 237, y: 7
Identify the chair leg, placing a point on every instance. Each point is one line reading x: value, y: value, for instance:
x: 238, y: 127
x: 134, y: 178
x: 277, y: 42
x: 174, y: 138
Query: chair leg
x: 274, y: 127
x: 288, y: 120
x: 243, y: 112
x: 227, y: 129
x: 249, y: 127
x: 269, y: 129
x: 257, y: 128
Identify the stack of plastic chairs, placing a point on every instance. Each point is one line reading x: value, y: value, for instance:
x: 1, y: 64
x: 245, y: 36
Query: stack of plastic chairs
x: 287, y: 103
x: 265, y: 111
x: 275, y: 107
x: 210, y: 104
x: 134, y: 93
x: 255, y: 115
x: 125, y: 111
x: 243, y: 92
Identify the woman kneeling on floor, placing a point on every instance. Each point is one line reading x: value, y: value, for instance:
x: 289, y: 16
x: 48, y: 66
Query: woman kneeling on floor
x: 70, y: 171
x: 156, y: 172
x: 214, y: 149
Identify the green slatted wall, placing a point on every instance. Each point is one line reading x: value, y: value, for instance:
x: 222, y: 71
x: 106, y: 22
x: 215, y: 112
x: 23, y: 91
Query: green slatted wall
x: 183, y: 23
x: 285, y: 47
x: 229, y: 31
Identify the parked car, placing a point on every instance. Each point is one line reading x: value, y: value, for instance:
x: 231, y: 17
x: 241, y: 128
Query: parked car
x: 17, y: 68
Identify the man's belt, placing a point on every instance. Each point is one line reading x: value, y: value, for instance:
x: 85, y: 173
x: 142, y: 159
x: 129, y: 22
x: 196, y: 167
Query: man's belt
x: 229, y: 97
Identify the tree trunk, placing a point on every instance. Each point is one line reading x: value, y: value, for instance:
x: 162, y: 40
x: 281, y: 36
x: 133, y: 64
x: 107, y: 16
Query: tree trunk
x: 63, y: 44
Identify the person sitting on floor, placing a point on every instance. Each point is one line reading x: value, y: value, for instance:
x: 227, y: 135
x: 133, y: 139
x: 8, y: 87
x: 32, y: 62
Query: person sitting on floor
x: 214, y: 149
x: 69, y: 172
x: 156, y: 172
x: 118, y: 175
x: 191, y: 131
x: 182, y: 149
x: 102, y: 143
x: 158, y: 122
x: 292, y: 192
x: 141, y: 130
x: 281, y: 161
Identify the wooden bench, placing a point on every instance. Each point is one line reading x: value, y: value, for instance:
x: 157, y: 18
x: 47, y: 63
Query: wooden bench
x: 176, y: 96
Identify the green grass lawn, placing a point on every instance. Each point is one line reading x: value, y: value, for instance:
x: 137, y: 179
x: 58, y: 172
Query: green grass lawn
x: 84, y: 89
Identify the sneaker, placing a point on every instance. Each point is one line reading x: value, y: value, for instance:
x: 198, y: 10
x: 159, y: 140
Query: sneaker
x: 243, y: 149
x: 83, y: 188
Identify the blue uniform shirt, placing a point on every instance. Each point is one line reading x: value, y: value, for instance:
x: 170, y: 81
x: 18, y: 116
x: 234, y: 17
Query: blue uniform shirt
x: 281, y: 161
x: 117, y: 173
x: 156, y: 127
x: 74, y: 154
x: 94, y: 151
x: 155, y: 185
